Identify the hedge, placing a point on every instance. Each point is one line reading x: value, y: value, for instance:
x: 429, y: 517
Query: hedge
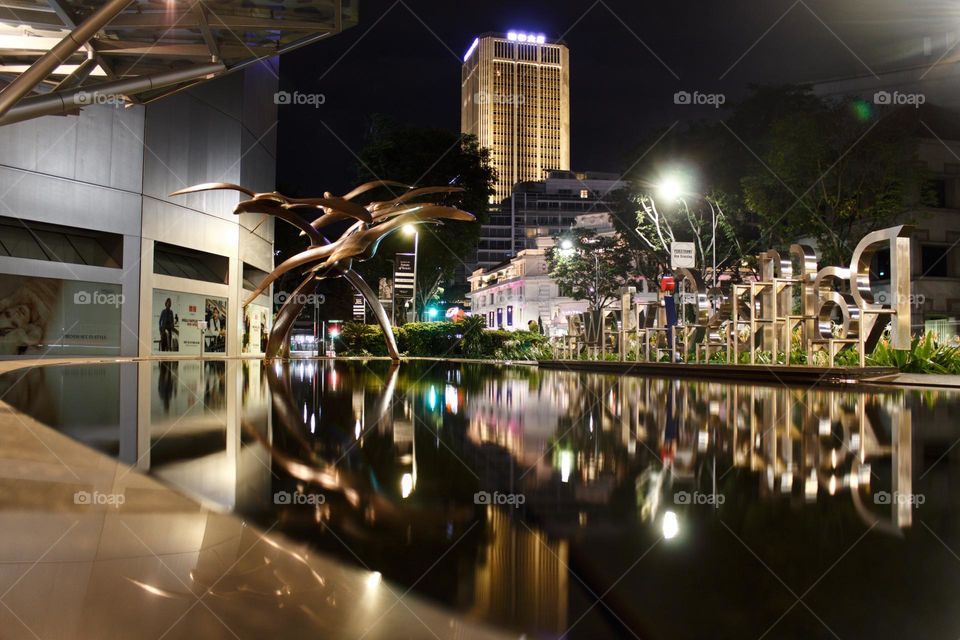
x: 465, y: 339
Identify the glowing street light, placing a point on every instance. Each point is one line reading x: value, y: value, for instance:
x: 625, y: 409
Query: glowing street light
x: 671, y: 188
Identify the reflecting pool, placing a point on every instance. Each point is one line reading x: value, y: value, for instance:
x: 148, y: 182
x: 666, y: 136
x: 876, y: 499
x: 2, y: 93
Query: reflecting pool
x: 558, y: 503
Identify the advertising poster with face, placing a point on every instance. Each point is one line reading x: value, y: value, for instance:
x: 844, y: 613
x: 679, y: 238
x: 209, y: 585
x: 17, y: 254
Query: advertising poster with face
x: 49, y: 316
x: 215, y: 337
x: 176, y: 318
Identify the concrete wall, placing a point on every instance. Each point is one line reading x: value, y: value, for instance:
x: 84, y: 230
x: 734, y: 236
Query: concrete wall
x: 113, y: 168
x: 81, y: 171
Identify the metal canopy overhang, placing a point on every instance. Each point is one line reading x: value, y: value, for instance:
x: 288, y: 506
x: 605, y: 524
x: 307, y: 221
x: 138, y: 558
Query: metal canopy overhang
x: 142, y: 50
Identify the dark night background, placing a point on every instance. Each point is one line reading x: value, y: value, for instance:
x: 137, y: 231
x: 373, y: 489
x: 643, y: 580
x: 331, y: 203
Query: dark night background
x: 403, y: 59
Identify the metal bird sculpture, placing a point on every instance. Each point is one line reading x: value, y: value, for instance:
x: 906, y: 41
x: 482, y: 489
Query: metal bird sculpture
x: 323, y: 258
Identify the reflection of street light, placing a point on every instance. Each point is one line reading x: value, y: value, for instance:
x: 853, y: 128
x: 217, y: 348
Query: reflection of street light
x: 671, y: 525
x: 411, y: 230
x: 406, y: 485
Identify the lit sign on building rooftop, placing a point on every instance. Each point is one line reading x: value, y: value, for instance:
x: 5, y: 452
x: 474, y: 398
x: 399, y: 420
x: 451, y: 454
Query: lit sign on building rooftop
x: 521, y: 36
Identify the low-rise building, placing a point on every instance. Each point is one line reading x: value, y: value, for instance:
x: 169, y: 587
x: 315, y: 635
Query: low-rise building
x: 519, y: 290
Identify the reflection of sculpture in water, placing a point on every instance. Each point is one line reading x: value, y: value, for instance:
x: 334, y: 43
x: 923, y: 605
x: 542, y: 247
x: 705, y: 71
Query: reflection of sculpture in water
x: 326, y: 259
x: 801, y: 445
x: 350, y: 490
x: 24, y: 315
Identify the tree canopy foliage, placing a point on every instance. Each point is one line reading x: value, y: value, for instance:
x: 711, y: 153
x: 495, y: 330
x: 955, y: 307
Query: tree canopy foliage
x: 420, y: 157
x: 590, y: 267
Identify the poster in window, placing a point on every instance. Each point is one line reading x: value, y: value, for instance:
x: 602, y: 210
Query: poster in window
x: 176, y: 318
x: 50, y: 316
x: 215, y: 336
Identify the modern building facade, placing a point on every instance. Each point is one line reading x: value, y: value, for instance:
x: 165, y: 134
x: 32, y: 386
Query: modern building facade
x: 96, y: 258
x: 543, y: 208
x: 515, y: 98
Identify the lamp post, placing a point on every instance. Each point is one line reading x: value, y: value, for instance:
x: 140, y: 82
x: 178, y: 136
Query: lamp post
x: 672, y: 188
x: 412, y: 230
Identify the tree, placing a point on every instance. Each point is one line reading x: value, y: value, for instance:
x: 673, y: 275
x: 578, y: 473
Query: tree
x: 784, y: 165
x: 590, y: 267
x: 417, y: 156
x: 834, y: 173
x: 698, y: 220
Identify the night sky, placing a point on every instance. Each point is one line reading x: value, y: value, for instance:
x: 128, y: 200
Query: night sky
x: 628, y: 58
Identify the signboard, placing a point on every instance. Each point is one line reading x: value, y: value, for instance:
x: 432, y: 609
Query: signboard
x: 359, y: 308
x: 403, y: 284
x: 177, y: 319
x: 403, y: 276
x: 683, y: 255
x: 836, y: 303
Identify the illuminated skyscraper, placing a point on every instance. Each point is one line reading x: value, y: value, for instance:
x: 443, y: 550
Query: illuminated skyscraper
x: 515, y: 97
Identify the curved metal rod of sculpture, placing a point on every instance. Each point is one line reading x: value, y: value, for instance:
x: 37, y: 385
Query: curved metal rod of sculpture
x: 323, y: 258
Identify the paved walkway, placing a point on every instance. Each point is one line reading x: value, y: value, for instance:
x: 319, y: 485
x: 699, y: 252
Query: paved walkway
x: 917, y: 380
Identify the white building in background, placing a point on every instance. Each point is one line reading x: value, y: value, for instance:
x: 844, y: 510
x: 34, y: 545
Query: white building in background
x: 519, y: 290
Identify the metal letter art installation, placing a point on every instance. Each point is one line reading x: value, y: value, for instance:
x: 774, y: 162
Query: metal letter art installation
x: 326, y: 259
x: 829, y: 309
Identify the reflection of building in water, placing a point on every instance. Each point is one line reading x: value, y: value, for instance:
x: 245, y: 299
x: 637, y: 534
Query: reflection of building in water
x: 521, y: 578
x: 508, y: 413
x: 190, y: 434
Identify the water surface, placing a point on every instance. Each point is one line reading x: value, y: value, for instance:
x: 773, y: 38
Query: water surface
x: 559, y: 503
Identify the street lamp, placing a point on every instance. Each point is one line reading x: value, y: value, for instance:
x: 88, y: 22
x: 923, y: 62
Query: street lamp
x: 673, y: 188
x: 567, y: 250
x: 411, y: 230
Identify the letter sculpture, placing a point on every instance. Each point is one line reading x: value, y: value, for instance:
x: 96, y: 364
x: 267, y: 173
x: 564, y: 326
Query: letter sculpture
x: 325, y: 259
